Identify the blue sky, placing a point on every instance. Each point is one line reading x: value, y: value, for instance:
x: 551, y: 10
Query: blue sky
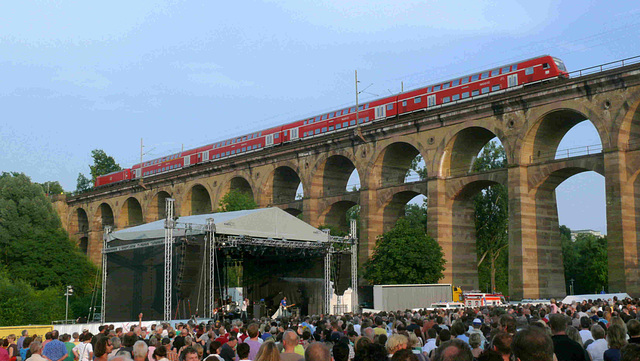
x: 83, y: 75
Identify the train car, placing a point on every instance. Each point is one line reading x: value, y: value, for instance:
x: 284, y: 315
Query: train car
x: 450, y: 92
x: 114, y: 177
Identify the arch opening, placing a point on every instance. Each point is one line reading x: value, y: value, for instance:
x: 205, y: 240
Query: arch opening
x: 106, y: 216
x: 240, y: 184
x: 200, y: 200
x: 395, y: 162
x: 293, y: 211
x: 338, y: 216
x: 569, y: 206
x: 286, y: 184
x: 157, y: 207
x: 464, y: 149
x: 408, y: 204
x: 84, y: 245
x: 417, y: 170
x: 581, y: 139
x: 339, y: 175
x: 83, y: 221
x: 131, y: 213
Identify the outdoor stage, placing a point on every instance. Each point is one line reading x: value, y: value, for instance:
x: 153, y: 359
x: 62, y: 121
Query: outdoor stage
x: 172, y: 269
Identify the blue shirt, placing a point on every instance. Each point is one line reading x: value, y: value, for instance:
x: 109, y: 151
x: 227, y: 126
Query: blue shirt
x: 283, y: 303
x: 54, y: 350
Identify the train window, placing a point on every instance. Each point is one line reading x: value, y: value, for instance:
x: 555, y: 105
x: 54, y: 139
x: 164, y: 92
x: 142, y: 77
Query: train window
x: 464, y: 80
x: 514, y: 67
x: 366, y: 106
x: 361, y: 107
x: 475, y: 77
x: 338, y: 126
x: 445, y: 85
x: 545, y: 66
x: 417, y: 100
x: 244, y: 138
x: 233, y: 151
x: 285, y: 133
x: 304, y: 134
x: 260, y: 134
x: 465, y: 95
x: 366, y: 119
x: 455, y: 82
x: 528, y: 71
x: 505, y: 70
x: 317, y: 131
x: 331, y: 127
x: 259, y: 145
x: 390, y: 107
x: 485, y: 90
x: 445, y: 100
x: 404, y: 103
x: 324, y: 117
x: 324, y: 129
x: 276, y: 136
x: 360, y: 121
x: 455, y: 97
x: 345, y: 124
x: 353, y: 122
x: 495, y: 88
x: 495, y: 72
x: 228, y: 153
x: 475, y: 93
x: 436, y: 88
x: 353, y: 110
x: 244, y: 149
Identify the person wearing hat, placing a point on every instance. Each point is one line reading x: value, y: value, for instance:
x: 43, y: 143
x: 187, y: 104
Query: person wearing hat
x: 477, y: 324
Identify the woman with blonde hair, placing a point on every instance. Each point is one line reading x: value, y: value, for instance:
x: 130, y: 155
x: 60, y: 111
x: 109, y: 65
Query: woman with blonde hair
x: 268, y: 352
x: 616, y: 339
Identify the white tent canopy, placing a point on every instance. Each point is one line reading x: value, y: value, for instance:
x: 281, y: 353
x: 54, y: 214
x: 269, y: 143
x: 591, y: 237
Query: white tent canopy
x: 259, y: 223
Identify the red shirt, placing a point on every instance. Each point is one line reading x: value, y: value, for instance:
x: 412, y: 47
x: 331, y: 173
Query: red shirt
x: 223, y: 339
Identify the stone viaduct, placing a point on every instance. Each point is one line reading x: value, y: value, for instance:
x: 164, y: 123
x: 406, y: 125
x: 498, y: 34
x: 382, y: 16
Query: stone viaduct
x: 530, y: 122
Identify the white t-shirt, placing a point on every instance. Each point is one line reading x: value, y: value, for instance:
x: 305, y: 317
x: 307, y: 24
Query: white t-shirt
x: 84, y: 349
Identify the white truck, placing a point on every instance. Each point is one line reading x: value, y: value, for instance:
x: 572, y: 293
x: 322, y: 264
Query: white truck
x: 409, y: 297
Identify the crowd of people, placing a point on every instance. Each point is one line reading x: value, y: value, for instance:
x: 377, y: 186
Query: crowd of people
x: 590, y: 331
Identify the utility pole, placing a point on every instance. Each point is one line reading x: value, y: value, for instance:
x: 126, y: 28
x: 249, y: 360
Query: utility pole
x: 357, y: 106
x: 69, y: 292
x: 141, y: 147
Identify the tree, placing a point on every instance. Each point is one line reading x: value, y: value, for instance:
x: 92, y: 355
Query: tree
x: 585, y: 261
x: 415, y: 167
x: 52, y: 187
x: 83, y: 183
x: 22, y: 304
x: 33, y: 245
x: 492, y: 221
x: 236, y: 200
x: 102, y: 164
x: 405, y: 254
x: 417, y: 215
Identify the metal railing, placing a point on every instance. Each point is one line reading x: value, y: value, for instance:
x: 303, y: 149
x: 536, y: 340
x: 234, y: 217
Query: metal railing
x: 567, y: 153
x: 606, y: 66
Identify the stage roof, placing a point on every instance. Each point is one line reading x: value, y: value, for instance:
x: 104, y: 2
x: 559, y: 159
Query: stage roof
x: 271, y: 223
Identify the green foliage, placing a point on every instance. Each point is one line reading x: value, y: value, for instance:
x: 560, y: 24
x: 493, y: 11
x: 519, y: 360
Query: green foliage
x: 102, y: 164
x: 52, y: 187
x: 333, y: 230
x: 416, y: 215
x: 33, y: 245
x: 585, y: 261
x: 492, y: 223
x: 83, y: 183
x: 236, y: 200
x: 415, y: 166
x: 405, y: 255
x: 22, y: 304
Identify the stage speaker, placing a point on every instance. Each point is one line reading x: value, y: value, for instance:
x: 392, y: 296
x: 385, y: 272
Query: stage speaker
x: 258, y: 310
x: 189, y: 261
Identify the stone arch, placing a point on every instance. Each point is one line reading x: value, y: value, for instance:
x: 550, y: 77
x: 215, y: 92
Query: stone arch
x: 156, y: 209
x: 334, y: 173
x: 103, y: 217
x: 336, y: 215
x: 235, y: 182
x: 547, y: 130
x: 394, y: 207
x: 84, y: 245
x: 293, y: 211
x: 462, y: 149
x: 282, y: 185
x: 81, y: 221
x: 196, y: 201
x: 392, y: 163
x: 130, y: 213
x: 629, y: 130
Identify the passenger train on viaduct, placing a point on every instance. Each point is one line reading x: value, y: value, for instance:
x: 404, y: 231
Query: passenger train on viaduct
x: 448, y: 93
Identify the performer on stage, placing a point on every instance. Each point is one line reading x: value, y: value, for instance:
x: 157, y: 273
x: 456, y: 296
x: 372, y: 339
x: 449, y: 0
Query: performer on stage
x: 282, y: 310
x: 243, y: 309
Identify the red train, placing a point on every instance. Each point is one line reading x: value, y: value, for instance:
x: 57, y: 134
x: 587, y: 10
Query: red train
x: 450, y: 92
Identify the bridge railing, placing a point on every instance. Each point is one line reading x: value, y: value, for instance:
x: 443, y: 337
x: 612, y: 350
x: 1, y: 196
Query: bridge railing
x: 606, y: 66
x: 566, y: 153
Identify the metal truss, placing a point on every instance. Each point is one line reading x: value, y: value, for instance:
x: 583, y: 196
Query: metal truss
x: 103, y: 301
x: 211, y: 240
x: 168, y: 257
x: 354, y: 266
